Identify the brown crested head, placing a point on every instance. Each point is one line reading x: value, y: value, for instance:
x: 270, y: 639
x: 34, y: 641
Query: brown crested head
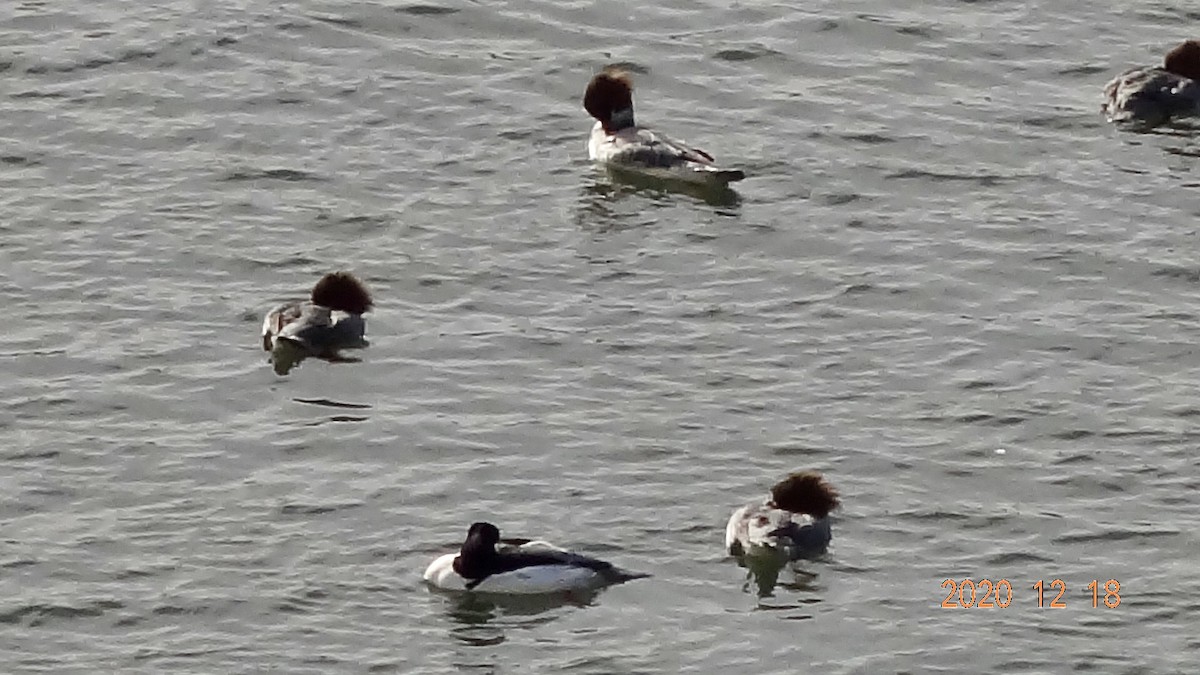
x: 805, y: 492
x: 342, y: 291
x: 1184, y: 60
x: 609, y: 92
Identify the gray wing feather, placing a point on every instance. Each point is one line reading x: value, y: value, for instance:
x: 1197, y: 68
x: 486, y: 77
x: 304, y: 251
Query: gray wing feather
x: 659, y: 150
x: 1150, y: 96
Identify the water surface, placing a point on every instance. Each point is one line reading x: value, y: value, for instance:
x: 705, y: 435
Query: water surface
x: 942, y: 252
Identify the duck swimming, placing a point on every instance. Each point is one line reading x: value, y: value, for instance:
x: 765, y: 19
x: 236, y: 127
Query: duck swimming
x: 793, y: 519
x: 617, y: 141
x: 487, y: 564
x: 1150, y: 96
x: 330, y: 321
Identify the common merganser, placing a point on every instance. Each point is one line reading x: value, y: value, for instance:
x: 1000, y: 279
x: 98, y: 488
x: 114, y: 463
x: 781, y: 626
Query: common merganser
x: 1150, y: 96
x: 487, y: 564
x: 616, y: 139
x: 330, y: 321
x: 793, y: 519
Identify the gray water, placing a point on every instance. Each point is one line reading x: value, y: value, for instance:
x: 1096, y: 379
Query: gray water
x: 942, y: 253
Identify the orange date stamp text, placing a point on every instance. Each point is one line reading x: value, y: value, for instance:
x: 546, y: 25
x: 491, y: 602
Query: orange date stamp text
x: 986, y: 594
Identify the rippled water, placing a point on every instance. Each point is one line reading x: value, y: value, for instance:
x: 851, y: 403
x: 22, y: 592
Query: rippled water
x: 942, y: 252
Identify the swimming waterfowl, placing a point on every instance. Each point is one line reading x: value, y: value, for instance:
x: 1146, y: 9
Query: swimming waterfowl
x: 520, y: 567
x: 1150, y: 96
x: 793, y: 519
x: 618, y: 141
x: 330, y: 321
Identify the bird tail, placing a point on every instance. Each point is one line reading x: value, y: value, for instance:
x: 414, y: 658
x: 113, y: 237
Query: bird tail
x: 616, y: 575
x: 727, y: 176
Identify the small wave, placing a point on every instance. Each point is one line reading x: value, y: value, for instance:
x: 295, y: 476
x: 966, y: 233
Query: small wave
x: 290, y: 175
x: 749, y: 54
x: 39, y: 614
x: 1113, y: 535
x: 316, y: 509
x: 332, y: 404
x: 426, y: 10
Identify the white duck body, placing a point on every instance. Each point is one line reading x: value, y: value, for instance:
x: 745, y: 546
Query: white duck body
x: 519, y: 567
x: 319, y: 330
x: 759, y: 527
x: 656, y: 154
x: 537, y: 580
